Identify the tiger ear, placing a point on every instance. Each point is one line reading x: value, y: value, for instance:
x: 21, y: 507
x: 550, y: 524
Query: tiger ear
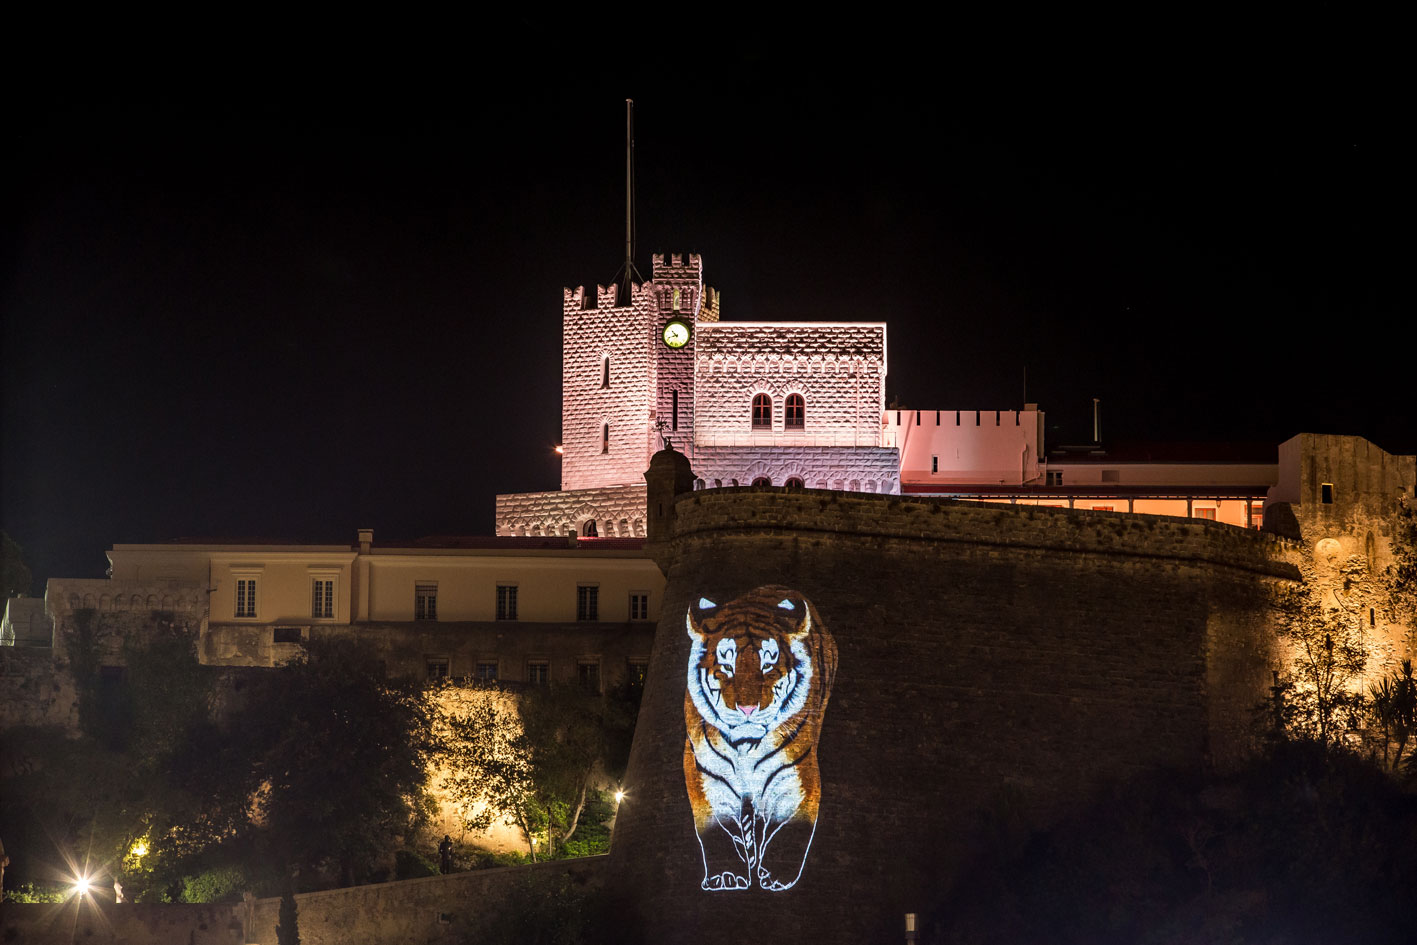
x: 691, y: 617
x: 799, y: 609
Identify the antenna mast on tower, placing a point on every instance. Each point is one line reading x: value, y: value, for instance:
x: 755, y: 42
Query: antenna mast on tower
x: 628, y: 275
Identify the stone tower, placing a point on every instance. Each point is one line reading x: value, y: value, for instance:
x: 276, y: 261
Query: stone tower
x: 623, y: 388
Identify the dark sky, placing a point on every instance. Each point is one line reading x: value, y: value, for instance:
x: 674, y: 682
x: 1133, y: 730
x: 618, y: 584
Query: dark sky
x: 293, y: 301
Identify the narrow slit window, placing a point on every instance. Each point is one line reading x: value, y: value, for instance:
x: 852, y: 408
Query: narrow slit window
x: 605, y: 438
x: 1327, y: 489
x: 674, y: 399
x: 605, y: 372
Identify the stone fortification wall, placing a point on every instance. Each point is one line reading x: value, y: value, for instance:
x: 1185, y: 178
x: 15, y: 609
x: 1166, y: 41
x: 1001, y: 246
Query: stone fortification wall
x: 93, y: 620
x: 416, y: 911
x: 618, y: 511
x: 102, y: 922
x: 989, y: 657
x: 1341, y: 497
x: 410, y: 912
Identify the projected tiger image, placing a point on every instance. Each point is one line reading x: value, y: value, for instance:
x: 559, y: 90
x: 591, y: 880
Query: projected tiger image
x: 760, y: 673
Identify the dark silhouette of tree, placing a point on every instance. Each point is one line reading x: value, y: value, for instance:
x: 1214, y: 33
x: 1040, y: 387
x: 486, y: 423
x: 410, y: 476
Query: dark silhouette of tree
x: 341, y: 759
x: 15, y: 576
x: 288, y: 920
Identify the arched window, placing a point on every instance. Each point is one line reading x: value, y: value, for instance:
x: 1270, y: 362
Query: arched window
x: 762, y: 412
x: 605, y: 372
x: 588, y: 530
x: 795, y: 483
x: 762, y: 481
x: 794, y: 413
x: 605, y: 438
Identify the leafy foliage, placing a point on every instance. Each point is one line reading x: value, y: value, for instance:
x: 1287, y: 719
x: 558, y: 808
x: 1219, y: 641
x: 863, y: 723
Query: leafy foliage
x: 15, y: 576
x: 1319, y: 696
x: 1401, y: 575
x: 531, y: 762
x: 1394, y: 713
x: 341, y: 755
x: 489, y: 756
x: 29, y: 892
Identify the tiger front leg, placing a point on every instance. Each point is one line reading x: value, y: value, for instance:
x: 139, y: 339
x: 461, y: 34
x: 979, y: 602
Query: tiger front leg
x: 727, y: 855
x: 783, y: 850
x: 727, y: 849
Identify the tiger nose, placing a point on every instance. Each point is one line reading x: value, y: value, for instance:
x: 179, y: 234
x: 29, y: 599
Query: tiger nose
x: 747, y: 710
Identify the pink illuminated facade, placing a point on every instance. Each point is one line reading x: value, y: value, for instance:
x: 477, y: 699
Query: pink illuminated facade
x: 802, y: 404
x: 750, y: 403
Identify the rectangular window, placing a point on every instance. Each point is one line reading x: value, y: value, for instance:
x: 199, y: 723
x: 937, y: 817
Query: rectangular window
x: 588, y: 674
x: 674, y: 423
x: 934, y: 464
x: 1055, y: 477
x: 437, y: 667
x: 1207, y: 514
x: 587, y: 602
x: 246, y: 597
x: 425, y: 600
x: 322, y: 597
x: 1257, y: 515
x: 538, y: 672
x: 506, y: 602
x: 1327, y: 489
x: 287, y: 635
x: 639, y: 669
x: 486, y: 671
x: 639, y: 606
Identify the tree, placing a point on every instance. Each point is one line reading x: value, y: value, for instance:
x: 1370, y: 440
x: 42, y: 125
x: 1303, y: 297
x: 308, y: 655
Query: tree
x: 1394, y: 702
x: 1400, y: 577
x: 1318, y: 694
x: 15, y: 576
x: 288, y: 920
x: 341, y: 757
x: 531, y: 761
x: 488, y: 755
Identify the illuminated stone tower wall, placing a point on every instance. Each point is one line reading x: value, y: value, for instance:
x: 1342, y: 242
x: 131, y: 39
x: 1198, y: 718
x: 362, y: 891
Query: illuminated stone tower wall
x: 606, y: 387
x: 837, y: 371
x: 620, y: 382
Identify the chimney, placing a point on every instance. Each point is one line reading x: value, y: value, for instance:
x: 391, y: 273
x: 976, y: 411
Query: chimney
x: 366, y: 539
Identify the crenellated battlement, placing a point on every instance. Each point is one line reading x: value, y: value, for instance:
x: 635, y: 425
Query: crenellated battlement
x: 677, y: 270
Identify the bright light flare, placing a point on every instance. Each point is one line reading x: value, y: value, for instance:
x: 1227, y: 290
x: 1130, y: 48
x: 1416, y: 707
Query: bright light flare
x: 81, y: 885
x: 619, y: 796
x: 139, y: 848
x: 560, y: 450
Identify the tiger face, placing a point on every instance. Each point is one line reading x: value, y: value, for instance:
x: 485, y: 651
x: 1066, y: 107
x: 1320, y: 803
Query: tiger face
x: 749, y: 669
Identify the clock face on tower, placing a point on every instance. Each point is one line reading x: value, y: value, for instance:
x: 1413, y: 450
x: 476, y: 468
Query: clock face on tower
x: 676, y: 333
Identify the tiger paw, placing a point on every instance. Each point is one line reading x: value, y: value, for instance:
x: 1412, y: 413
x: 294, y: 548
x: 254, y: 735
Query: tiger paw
x: 726, y: 880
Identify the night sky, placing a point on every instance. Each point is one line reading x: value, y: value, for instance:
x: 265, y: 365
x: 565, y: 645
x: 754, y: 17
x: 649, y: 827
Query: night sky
x: 330, y: 297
